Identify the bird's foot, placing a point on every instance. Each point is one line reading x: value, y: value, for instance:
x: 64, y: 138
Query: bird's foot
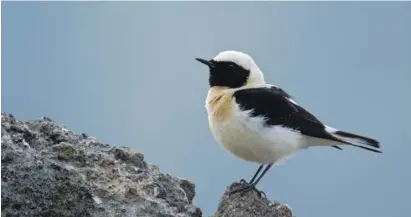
x: 244, y: 181
x: 246, y: 188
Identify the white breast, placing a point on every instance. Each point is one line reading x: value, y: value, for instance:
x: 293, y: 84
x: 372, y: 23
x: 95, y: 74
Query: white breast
x: 249, y: 139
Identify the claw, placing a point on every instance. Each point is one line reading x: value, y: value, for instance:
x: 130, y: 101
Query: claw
x: 243, y: 181
x: 246, y: 188
x: 243, y: 189
x: 260, y: 193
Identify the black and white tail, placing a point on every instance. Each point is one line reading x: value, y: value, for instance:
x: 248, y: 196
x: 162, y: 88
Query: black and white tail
x: 355, y: 140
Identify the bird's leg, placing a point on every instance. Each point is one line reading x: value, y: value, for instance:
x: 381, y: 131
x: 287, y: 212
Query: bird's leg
x: 252, y: 185
x: 252, y: 179
x: 255, y: 175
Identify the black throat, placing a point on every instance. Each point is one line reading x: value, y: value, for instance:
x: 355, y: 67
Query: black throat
x: 227, y: 74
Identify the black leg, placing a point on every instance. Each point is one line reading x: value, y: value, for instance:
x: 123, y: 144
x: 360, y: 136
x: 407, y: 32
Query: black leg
x: 252, y: 185
x: 259, y: 178
x: 255, y: 175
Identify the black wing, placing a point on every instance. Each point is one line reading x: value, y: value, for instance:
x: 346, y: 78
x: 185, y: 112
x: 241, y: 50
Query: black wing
x: 272, y: 103
x: 280, y: 91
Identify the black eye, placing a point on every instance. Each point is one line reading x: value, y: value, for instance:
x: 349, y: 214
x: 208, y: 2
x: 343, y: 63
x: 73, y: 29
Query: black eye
x: 231, y: 65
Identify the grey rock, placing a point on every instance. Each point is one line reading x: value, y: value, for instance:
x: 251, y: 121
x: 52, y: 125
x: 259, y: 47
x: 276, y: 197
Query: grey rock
x: 249, y: 204
x: 48, y: 170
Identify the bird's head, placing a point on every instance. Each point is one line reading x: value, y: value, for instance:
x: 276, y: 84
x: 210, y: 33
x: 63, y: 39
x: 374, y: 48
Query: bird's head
x: 233, y: 69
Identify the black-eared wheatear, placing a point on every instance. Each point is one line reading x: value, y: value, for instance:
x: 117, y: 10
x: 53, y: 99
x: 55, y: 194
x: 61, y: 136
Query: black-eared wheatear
x: 260, y: 122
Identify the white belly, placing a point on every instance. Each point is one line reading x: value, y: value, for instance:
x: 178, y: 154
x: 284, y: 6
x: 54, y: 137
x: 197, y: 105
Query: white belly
x: 248, y: 139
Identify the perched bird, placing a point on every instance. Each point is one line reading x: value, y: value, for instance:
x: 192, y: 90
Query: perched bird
x: 260, y: 122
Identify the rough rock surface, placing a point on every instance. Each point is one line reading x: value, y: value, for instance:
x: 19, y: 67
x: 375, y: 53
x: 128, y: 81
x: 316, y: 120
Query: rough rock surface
x: 48, y: 170
x: 249, y: 204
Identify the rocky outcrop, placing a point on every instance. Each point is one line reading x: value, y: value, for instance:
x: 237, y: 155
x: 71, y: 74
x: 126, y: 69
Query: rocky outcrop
x: 249, y: 204
x: 48, y: 170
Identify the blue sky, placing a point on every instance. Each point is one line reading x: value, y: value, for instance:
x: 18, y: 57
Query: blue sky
x: 125, y: 73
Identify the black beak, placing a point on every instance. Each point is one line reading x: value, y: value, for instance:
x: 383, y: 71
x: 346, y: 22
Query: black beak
x: 206, y: 62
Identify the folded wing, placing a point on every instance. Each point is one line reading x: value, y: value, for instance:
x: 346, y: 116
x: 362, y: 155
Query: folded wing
x: 279, y: 109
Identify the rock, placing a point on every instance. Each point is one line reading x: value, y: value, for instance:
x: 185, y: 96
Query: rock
x: 249, y: 204
x: 48, y: 170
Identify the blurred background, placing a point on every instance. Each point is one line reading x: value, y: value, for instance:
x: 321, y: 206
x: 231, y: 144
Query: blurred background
x: 125, y: 73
